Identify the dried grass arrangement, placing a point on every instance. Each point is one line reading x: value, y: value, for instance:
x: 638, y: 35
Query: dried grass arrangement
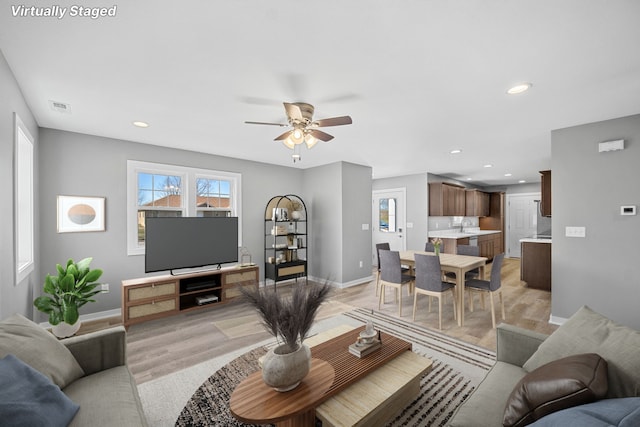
x: 288, y: 318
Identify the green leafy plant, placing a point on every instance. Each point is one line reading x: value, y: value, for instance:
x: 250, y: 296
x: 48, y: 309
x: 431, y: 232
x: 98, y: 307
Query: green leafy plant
x: 73, y: 287
x: 288, y: 317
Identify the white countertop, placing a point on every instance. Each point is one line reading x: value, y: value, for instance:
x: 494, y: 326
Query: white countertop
x: 457, y: 234
x: 535, y: 240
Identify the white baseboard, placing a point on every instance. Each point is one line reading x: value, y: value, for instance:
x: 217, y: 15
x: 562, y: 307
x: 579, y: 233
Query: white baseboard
x: 343, y: 285
x: 556, y: 320
x: 116, y: 312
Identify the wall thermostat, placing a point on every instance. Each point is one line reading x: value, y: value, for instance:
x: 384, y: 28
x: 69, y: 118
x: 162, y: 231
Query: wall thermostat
x: 628, y: 210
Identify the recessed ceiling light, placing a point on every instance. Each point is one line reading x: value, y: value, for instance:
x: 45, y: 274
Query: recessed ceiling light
x: 456, y: 151
x: 507, y: 174
x: 519, y: 88
x: 488, y: 166
x: 141, y: 124
x: 469, y: 179
x: 522, y: 181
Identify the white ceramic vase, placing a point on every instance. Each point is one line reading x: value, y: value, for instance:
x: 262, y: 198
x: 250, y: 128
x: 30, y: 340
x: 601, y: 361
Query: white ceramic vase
x: 296, y: 215
x: 64, y: 330
x: 284, y: 371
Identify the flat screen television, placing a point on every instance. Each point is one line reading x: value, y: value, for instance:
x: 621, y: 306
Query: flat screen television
x: 189, y: 242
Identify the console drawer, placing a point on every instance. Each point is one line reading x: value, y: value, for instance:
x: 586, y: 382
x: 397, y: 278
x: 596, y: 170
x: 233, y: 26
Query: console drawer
x: 149, y: 309
x: 153, y: 290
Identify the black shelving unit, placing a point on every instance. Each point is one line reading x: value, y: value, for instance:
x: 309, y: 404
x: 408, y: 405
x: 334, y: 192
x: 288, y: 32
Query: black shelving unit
x: 285, y: 239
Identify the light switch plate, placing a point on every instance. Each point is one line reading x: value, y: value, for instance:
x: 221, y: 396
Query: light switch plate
x: 365, y: 227
x: 575, y: 231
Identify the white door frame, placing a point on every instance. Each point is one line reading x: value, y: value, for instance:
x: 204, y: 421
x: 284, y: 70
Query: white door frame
x: 401, y: 219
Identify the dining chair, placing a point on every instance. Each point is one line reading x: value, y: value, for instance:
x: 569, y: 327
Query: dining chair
x: 428, y: 247
x: 492, y: 286
x: 385, y: 247
x: 466, y: 250
x: 428, y: 281
x: 391, y: 276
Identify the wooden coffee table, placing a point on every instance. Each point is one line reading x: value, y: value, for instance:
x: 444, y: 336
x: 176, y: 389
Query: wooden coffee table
x: 390, y: 377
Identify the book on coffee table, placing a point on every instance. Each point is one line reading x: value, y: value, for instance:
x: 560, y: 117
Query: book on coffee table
x: 361, y: 350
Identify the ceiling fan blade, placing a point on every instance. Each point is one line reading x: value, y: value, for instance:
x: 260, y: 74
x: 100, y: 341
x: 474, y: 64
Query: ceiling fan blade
x: 333, y: 121
x: 266, y: 123
x: 322, y: 136
x: 293, y: 111
x: 283, y: 136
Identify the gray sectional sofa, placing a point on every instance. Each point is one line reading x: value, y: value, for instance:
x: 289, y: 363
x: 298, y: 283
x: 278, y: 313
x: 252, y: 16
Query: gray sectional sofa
x: 88, y: 371
x: 520, y: 353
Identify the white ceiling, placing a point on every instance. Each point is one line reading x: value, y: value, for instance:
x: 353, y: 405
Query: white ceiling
x: 418, y: 77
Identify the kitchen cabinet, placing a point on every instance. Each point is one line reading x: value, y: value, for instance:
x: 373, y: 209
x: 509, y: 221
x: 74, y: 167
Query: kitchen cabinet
x: 496, y: 219
x: 477, y: 203
x: 535, y: 265
x: 545, y: 190
x: 446, y: 199
x: 490, y: 245
x: 450, y: 246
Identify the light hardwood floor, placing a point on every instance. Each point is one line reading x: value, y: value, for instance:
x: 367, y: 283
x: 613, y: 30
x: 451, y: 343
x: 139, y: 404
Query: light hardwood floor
x: 163, y: 346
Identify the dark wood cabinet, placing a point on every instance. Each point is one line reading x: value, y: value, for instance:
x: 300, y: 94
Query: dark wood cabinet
x: 490, y: 244
x: 446, y: 199
x: 535, y: 265
x: 477, y: 203
x: 496, y: 219
x: 545, y: 189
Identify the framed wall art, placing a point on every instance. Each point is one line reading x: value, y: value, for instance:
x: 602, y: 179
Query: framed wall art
x: 80, y: 214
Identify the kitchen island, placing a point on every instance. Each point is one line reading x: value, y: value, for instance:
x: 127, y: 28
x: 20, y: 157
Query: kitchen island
x: 535, y: 262
x: 489, y: 241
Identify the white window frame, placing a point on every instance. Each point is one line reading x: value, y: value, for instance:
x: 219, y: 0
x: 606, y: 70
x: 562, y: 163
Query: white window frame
x: 189, y: 176
x: 24, y: 200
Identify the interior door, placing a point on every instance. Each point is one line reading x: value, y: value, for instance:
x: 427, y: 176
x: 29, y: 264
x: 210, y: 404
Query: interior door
x: 389, y: 217
x: 522, y: 220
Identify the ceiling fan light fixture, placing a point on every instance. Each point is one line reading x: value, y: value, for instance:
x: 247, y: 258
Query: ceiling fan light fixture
x: 288, y: 142
x: 310, y: 140
x: 297, y: 136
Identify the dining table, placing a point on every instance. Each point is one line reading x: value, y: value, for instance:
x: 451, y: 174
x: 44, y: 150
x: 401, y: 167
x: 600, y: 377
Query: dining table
x: 458, y: 264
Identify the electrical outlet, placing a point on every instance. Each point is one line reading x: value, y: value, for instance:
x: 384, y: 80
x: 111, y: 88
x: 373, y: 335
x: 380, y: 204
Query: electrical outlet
x: 104, y: 287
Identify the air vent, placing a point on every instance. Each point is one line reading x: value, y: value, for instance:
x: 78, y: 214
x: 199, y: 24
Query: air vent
x: 60, y: 107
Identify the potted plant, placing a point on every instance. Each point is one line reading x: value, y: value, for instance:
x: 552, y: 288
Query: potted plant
x: 289, y: 319
x: 73, y: 287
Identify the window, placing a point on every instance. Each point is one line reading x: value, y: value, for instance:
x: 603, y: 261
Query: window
x: 24, y: 210
x: 157, y: 190
x: 387, y: 215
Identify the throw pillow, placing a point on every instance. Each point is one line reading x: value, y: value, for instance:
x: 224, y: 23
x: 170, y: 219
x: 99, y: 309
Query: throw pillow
x: 624, y: 412
x: 589, y: 332
x: 28, y: 398
x: 39, y: 349
x: 561, y: 384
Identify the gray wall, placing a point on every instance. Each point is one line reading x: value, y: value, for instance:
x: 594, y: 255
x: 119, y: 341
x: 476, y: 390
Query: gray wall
x: 324, y: 202
x: 99, y: 168
x: 588, y: 189
x: 356, y: 210
x: 417, y: 205
x: 13, y: 297
x: 335, y: 194
x: 340, y: 196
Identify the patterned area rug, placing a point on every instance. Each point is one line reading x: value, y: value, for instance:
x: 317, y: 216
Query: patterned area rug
x: 458, y: 368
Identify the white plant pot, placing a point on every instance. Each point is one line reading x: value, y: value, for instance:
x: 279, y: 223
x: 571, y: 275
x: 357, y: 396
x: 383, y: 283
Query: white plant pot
x: 64, y: 330
x: 284, y: 371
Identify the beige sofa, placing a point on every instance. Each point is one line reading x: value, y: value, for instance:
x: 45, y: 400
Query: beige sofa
x: 521, y: 352
x: 90, y: 370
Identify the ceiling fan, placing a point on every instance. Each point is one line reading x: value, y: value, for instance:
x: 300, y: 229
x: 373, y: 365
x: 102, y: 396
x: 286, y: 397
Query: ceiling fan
x: 303, y: 127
